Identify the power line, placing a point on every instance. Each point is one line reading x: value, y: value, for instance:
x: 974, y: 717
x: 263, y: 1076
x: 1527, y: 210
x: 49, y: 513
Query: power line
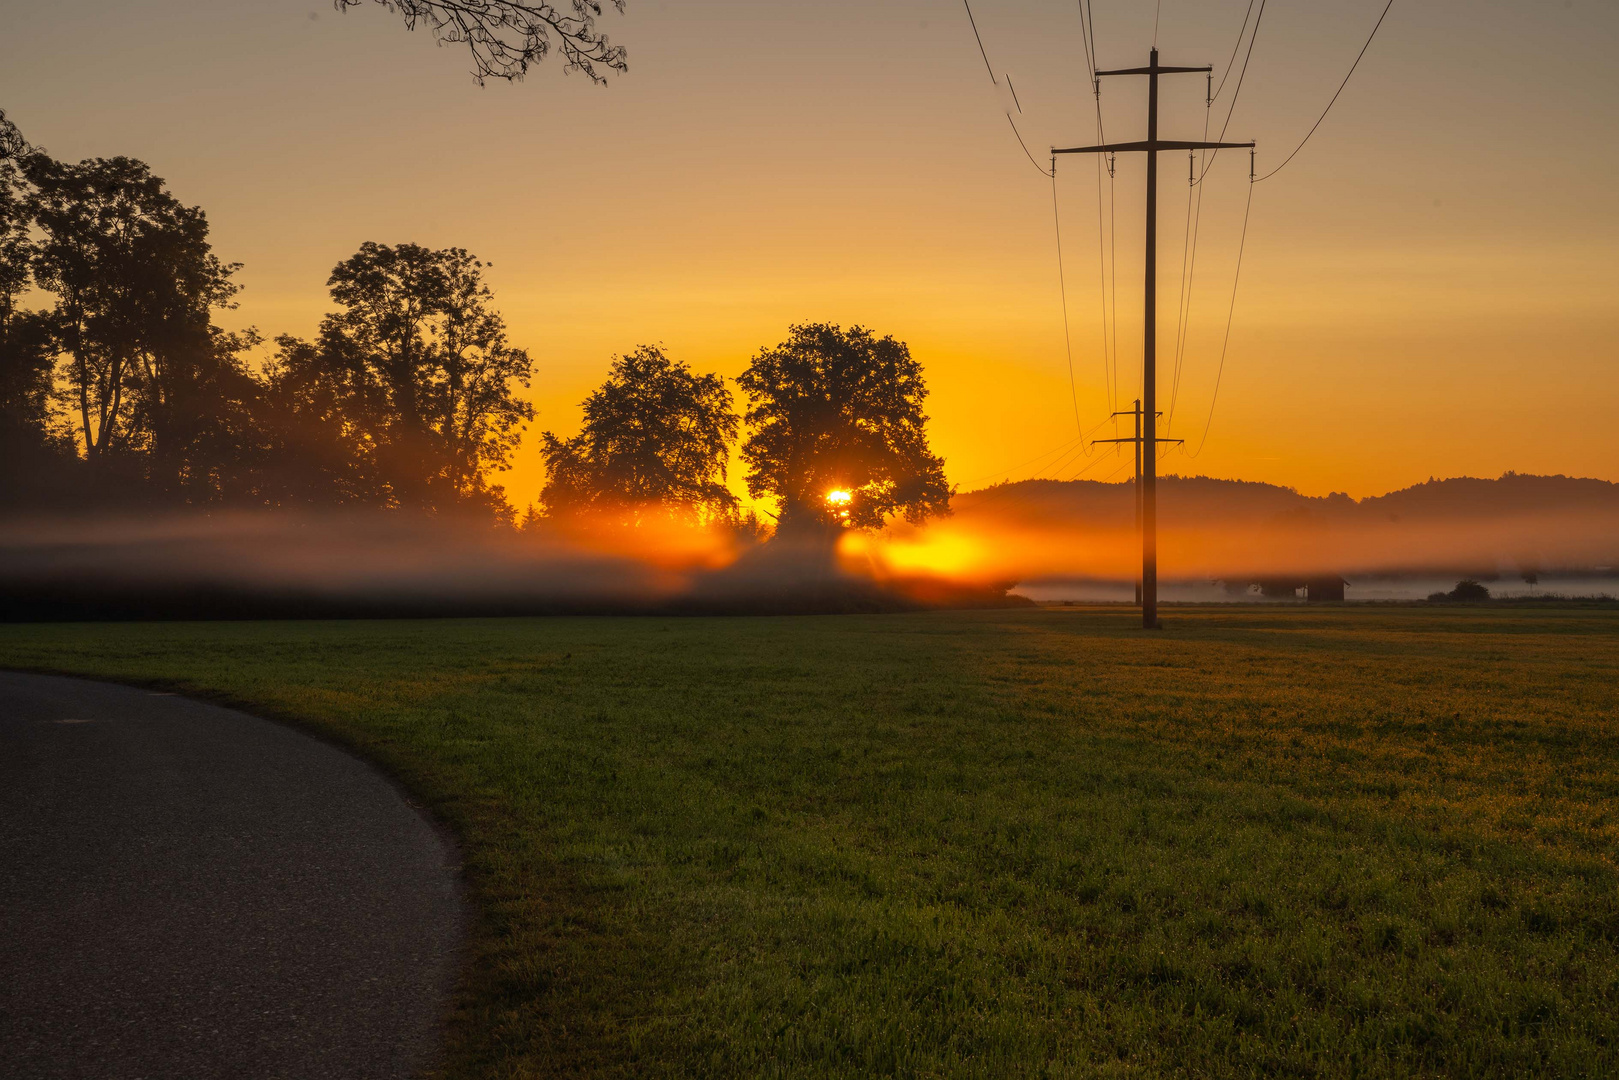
x: 1110, y: 273
x: 1093, y: 463
x: 1085, y: 37
x: 1341, y: 86
x: 1013, y: 123
x: 1062, y: 288
x: 1063, y: 462
x: 980, y: 40
x: 1183, y: 303
x: 1113, y: 259
x: 1224, y: 344
x: 1009, y: 470
x: 1110, y: 355
x: 1101, y: 264
x: 1237, y: 92
x: 1065, y: 458
x: 1025, y: 146
x: 1183, y: 317
x: 1089, y: 8
x: 1229, y: 64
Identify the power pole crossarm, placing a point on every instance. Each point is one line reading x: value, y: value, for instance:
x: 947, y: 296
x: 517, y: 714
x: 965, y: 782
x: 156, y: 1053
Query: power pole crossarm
x: 1157, y: 144
x: 1155, y: 69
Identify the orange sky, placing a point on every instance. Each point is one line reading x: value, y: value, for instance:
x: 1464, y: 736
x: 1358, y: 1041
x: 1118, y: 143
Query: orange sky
x: 1431, y: 288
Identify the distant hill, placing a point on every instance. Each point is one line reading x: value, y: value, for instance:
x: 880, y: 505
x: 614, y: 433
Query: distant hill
x: 1243, y: 529
x: 1204, y: 499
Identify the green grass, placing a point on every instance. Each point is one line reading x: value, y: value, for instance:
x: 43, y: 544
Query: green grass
x: 1264, y: 842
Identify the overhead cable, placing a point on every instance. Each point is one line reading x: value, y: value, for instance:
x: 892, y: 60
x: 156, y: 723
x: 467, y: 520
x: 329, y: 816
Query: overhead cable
x: 980, y: 41
x: 1229, y: 64
x: 1237, y: 92
x: 1025, y: 146
x: 1062, y: 289
x: 1226, y: 342
x: 1341, y: 86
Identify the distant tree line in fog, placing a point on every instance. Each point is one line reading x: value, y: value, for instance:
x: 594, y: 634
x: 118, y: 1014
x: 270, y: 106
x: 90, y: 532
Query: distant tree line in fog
x: 118, y: 389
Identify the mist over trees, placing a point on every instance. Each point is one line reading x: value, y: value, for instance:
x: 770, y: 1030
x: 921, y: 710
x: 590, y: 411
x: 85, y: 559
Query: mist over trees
x: 29, y: 439
x: 120, y: 390
x: 834, y: 410
x: 408, y: 395
x: 158, y: 392
x: 657, y: 441
x: 117, y: 386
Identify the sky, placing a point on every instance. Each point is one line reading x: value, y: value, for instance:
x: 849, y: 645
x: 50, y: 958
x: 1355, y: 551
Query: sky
x: 1429, y: 288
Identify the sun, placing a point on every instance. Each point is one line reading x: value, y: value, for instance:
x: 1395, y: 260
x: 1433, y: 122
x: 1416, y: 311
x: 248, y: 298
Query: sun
x: 839, y: 501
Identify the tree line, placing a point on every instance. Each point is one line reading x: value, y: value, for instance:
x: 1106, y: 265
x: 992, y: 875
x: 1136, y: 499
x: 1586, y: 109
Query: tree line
x: 118, y: 388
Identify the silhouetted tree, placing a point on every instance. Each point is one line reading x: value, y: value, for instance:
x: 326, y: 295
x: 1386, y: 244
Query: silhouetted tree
x: 416, y: 373
x: 506, y: 36
x: 841, y: 411
x: 29, y: 437
x: 656, y: 440
x: 150, y: 379
x: 317, y: 417
x: 12, y: 144
x: 16, y: 246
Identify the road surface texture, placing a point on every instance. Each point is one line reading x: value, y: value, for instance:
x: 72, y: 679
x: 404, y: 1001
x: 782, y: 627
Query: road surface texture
x: 188, y: 891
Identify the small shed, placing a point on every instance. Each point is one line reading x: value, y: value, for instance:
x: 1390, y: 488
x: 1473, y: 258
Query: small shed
x: 1319, y: 590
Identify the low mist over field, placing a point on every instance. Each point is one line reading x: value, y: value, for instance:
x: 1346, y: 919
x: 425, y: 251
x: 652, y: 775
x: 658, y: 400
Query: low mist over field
x: 375, y: 562
x: 1243, y: 532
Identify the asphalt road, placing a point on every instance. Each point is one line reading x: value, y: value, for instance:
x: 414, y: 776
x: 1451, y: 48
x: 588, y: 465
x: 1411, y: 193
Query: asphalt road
x: 188, y: 891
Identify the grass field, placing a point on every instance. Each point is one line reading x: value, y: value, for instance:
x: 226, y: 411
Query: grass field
x: 1264, y: 842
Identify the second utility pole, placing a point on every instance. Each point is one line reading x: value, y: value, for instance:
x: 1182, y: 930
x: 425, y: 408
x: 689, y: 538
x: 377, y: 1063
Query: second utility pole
x: 1138, y: 441
x: 1149, y: 350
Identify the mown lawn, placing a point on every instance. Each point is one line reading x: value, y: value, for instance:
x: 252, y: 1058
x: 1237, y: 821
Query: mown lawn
x: 1263, y: 842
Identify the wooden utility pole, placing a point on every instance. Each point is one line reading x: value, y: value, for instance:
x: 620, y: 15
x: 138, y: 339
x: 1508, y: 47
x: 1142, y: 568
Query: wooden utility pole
x: 1148, y: 483
x: 1138, y: 441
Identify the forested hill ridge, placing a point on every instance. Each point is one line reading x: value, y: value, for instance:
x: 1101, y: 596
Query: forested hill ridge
x: 1188, y: 500
x: 1242, y: 530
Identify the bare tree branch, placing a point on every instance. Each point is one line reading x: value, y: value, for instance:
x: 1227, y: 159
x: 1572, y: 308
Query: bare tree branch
x: 12, y: 144
x: 506, y: 36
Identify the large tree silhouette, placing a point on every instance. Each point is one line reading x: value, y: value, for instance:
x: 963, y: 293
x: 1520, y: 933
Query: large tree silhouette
x: 154, y: 385
x: 417, y: 372
x: 506, y: 36
x: 29, y: 435
x: 838, y: 432
x: 656, y: 441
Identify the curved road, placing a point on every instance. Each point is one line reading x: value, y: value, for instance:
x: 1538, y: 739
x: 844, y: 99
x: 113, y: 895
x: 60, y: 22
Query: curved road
x: 188, y: 891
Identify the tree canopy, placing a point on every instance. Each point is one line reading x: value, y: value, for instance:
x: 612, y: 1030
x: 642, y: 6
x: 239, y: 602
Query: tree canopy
x: 414, y: 379
x: 31, y: 435
x: 123, y: 388
x: 657, y: 438
x: 154, y: 385
x: 838, y: 432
